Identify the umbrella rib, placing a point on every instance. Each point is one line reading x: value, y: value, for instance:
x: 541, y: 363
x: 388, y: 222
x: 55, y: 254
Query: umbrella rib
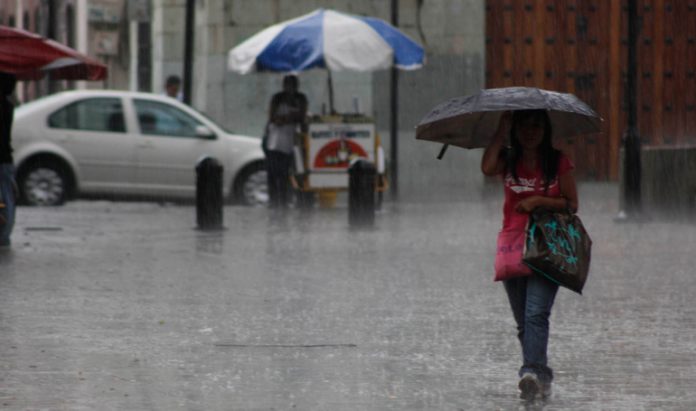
x: 543, y: 97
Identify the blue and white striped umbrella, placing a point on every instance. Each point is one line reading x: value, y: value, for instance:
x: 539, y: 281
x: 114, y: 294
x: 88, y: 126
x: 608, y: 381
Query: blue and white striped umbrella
x: 327, y: 39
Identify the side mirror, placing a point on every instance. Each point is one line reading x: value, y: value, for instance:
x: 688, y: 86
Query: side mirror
x: 204, y: 133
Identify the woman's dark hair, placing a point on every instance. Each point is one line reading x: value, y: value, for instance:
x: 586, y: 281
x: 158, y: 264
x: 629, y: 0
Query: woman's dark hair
x: 548, y: 156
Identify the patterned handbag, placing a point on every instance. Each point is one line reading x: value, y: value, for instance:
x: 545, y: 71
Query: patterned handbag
x: 558, y: 247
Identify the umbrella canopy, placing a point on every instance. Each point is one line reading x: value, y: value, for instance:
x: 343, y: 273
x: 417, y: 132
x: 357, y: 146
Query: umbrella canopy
x: 471, y: 121
x: 30, y: 57
x: 327, y: 39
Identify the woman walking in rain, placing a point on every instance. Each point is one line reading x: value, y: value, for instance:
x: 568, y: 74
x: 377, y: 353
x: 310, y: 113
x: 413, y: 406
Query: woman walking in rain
x: 534, y: 175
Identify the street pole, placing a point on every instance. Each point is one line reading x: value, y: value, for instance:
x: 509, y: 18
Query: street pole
x: 329, y: 81
x: 188, y: 50
x: 631, y: 139
x: 394, y: 119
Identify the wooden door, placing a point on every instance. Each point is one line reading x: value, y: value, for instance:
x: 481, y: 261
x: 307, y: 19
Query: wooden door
x: 579, y: 46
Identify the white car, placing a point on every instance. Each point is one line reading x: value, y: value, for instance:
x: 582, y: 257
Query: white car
x: 114, y: 143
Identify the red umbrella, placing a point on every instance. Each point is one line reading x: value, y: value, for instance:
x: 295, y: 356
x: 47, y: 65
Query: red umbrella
x: 30, y: 56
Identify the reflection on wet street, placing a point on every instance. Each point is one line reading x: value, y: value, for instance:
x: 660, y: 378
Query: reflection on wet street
x: 128, y: 306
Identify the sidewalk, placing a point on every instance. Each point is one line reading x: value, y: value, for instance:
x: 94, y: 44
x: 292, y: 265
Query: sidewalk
x: 126, y: 306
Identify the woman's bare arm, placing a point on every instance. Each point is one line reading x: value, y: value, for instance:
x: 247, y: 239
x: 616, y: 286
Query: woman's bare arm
x: 567, y: 201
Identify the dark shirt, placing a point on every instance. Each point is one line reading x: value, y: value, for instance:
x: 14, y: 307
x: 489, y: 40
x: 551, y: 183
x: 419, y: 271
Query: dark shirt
x: 6, y: 118
x: 295, y: 102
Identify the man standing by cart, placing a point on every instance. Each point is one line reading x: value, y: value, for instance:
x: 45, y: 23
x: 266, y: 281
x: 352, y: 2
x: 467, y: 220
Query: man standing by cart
x: 287, y: 117
x: 172, y: 88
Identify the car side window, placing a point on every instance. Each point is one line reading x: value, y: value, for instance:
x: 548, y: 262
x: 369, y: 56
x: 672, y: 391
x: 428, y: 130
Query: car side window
x: 156, y: 118
x: 92, y: 114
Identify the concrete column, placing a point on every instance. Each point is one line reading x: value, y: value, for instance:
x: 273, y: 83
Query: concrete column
x: 82, y: 33
x: 133, y: 47
x: 81, y: 26
x: 19, y: 14
x: 19, y: 23
x: 200, y: 56
x: 157, y: 46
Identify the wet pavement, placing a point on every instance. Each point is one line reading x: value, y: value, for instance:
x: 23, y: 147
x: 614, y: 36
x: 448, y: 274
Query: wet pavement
x: 126, y: 306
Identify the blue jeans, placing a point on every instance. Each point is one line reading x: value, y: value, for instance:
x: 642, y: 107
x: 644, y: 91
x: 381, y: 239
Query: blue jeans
x: 531, y: 299
x: 7, y: 197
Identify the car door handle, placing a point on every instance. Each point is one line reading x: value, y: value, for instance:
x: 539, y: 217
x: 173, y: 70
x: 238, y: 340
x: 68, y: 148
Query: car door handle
x: 146, y: 144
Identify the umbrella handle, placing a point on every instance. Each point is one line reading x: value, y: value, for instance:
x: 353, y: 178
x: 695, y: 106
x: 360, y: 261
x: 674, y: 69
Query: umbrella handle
x: 442, y: 151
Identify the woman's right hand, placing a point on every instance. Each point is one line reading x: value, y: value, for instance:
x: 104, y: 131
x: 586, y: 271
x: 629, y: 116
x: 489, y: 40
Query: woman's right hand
x: 492, y: 163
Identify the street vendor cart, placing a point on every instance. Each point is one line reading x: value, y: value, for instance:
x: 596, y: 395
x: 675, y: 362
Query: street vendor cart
x: 330, y: 146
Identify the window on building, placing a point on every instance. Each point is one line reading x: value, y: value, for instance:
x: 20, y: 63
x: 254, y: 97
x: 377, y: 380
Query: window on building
x: 144, y: 56
x: 70, y: 26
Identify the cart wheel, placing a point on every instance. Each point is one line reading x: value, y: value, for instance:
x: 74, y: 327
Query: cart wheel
x: 327, y: 199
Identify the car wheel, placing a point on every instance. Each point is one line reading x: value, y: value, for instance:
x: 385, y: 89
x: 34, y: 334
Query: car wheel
x: 252, y: 187
x: 43, y: 184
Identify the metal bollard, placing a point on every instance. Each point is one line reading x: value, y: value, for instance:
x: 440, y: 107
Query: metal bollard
x: 209, y: 194
x: 361, y: 193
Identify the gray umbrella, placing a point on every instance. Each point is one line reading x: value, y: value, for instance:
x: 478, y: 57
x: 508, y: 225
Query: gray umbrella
x: 471, y: 121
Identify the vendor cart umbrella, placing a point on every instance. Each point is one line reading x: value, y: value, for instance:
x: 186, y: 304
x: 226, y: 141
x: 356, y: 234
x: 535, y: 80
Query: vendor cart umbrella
x: 327, y: 39
x: 471, y: 121
x: 30, y: 57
